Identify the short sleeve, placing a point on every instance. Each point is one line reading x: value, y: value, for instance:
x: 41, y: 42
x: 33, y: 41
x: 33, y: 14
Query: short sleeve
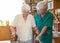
x: 36, y: 18
x: 33, y: 22
x: 14, y: 23
x: 49, y: 22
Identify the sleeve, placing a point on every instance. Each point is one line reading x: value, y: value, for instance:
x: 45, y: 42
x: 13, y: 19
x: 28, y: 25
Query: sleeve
x: 49, y: 22
x: 14, y: 23
x: 33, y: 22
x: 36, y: 17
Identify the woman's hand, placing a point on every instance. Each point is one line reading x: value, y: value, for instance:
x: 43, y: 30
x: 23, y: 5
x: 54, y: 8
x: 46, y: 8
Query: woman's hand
x: 13, y: 32
x: 13, y: 35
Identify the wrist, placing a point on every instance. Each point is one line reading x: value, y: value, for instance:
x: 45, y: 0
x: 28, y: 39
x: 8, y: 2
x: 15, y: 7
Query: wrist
x: 37, y: 32
x: 13, y: 33
x: 39, y: 35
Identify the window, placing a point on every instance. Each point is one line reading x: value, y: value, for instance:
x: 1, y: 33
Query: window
x: 9, y: 9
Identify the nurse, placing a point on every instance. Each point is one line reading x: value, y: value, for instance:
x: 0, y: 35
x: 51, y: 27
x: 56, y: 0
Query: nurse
x: 44, y: 22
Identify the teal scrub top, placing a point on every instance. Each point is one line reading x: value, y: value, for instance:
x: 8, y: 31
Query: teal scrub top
x: 47, y: 20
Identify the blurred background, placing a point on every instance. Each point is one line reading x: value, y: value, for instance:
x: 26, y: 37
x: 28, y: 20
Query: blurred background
x: 10, y: 8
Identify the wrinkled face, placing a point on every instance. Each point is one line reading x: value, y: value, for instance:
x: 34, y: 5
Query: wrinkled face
x: 42, y: 11
x: 25, y: 12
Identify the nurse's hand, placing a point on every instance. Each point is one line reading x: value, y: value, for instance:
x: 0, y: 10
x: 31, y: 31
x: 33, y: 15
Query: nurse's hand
x: 37, y: 38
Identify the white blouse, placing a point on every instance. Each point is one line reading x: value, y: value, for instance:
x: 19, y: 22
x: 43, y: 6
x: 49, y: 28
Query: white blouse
x: 24, y: 29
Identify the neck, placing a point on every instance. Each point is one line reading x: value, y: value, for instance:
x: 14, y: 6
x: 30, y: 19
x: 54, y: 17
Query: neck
x: 42, y: 15
x: 25, y: 15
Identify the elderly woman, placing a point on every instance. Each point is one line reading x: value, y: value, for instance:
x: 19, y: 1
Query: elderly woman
x: 24, y: 24
x: 44, y: 22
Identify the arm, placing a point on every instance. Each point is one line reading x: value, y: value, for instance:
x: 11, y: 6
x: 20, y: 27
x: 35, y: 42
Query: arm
x: 48, y: 23
x: 43, y: 31
x: 13, y: 25
x: 13, y: 32
x: 35, y: 30
x: 12, y: 29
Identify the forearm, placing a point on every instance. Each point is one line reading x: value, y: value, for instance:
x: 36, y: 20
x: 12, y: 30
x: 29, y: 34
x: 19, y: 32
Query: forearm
x: 12, y: 29
x: 36, y: 30
x: 43, y: 31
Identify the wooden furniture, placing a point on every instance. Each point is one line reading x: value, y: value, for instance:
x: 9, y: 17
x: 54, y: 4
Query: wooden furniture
x: 33, y: 4
x: 57, y: 26
x: 56, y: 4
x: 5, y: 33
x: 56, y: 39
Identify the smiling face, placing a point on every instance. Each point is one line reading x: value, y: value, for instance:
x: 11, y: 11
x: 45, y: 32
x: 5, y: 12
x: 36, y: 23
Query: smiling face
x: 25, y: 9
x: 25, y: 12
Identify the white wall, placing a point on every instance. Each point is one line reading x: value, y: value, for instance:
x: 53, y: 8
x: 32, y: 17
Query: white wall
x: 9, y: 9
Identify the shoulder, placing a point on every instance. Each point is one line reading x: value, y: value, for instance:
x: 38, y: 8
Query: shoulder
x: 37, y: 15
x: 17, y: 16
x: 31, y: 16
x: 50, y: 14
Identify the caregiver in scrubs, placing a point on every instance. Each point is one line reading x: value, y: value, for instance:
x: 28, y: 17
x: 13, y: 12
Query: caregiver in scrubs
x: 44, y: 22
x: 24, y: 23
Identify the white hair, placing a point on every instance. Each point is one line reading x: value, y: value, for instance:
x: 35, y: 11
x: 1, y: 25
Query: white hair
x: 41, y: 5
x: 26, y: 7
